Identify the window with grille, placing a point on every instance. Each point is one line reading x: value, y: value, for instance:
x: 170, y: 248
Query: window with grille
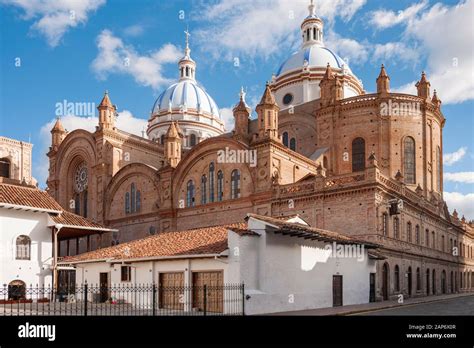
x: 385, y: 224
x: 126, y: 273
x: 235, y: 184
x: 211, y: 182
x: 23, y: 248
x: 409, y: 237
x: 285, y: 139
x: 396, y: 228
x: 5, y: 167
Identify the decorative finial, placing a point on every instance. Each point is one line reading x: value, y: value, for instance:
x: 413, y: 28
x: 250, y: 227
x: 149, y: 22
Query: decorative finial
x: 106, y: 91
x: 242, y: 93
x: 187, y: 50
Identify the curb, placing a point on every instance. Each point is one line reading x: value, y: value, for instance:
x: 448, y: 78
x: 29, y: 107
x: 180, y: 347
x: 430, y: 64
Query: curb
x: 397, y: 305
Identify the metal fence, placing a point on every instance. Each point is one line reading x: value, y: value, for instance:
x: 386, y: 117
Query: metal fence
x: 122, y: 300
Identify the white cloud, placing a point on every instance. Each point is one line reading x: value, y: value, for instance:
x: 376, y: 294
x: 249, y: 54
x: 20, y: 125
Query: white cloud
x: 125, y: 121
x: 462, y: 177
x: 352, y: 51
x: 463, y: 203
x: 383, y: 19
x: 445, y: 35
x: 453, y: 157
x: 116, y: 57
x: 395, y: 51
x: 251, y: 28
x: 227, y: 117
x: 53, y: 19
x: 134, y: 30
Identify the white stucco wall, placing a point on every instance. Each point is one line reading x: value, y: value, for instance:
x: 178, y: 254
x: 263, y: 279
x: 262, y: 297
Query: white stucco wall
x: 282, y: 284
x: 14, y: 223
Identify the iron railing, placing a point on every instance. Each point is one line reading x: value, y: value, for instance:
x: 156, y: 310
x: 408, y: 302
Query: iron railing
x: 122, y: 300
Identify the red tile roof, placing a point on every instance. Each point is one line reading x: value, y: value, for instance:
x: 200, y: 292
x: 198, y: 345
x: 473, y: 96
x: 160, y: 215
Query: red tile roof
x: 33, y: 197
x: 199, y: 241
x: 297, y: 229
x: 27, y: 196
x: 70, y: 219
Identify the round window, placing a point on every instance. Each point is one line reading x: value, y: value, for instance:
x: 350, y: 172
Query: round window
x: 288, y: 98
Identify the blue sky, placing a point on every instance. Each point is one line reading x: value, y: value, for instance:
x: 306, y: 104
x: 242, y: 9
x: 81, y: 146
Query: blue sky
x: 50, y: 54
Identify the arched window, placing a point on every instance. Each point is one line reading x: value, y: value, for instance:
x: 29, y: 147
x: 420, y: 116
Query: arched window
x: 409, y: 160
x: 427, y: 238
x: 433, y: 239
x: 358, y: 154
x: 396, y: 228
x: 139, y: 201
x: 285, y: 138
x: 127, y: 203
x: 314, y: 34
x: 384, y: 224
x: 325, y: 162
x: 192, y: 140
x: 162, y: 139
x: 211, y: 182
x: 235, y: 184
x: 204, y: 189
x: 152, y: 230
x: 220, y: 186
x: 417, y: 234
x: 443, y: 246
x: 5, y: 167
x: 409, y: 237
x: 187, y: 71
x: 23, y: 248
x: 133, y: 197
x: 433, y: 282
x: 133, y: 200
x: 190, y: 194
x: 428, y: 281
x: 293, y: 144
x: 397, y: 278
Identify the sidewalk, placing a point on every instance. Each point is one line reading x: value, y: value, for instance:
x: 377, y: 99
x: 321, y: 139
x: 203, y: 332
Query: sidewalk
x: 367, y: 307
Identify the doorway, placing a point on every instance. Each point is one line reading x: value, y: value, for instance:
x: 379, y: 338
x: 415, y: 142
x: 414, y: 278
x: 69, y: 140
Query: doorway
x: 385, y: 281
x: 337, y: 290
x: 372, y: 287
x: 104, y: 287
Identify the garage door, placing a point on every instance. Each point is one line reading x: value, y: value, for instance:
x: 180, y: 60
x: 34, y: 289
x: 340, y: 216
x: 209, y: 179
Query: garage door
x: 171, y: 290
x: 214, y: 281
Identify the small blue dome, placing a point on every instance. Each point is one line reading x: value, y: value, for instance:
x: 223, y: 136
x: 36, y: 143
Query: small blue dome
x: 316, y: 56
x: 186, y: 93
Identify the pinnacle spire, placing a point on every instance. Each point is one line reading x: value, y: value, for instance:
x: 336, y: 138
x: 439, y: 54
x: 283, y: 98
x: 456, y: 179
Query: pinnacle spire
x: 267, y: 97
x: 383, y: 72
x: 58, y: 125
x: 106, y: 100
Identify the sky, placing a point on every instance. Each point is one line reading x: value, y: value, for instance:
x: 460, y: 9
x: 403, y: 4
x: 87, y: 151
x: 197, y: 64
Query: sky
x: 71, y: 51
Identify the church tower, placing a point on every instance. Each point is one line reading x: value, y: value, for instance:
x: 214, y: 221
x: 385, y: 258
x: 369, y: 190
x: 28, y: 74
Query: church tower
x: 173, y: 145
x: 383, y: 82
x: 106, y: 113
x: 267, y: 111
x: 241, y: 116
x: 58, y: 133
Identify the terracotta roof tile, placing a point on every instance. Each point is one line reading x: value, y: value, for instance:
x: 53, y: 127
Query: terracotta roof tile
x: 70, y: 219
x: 319, y: 234
x: 199, y: 241
x: 27, y: 196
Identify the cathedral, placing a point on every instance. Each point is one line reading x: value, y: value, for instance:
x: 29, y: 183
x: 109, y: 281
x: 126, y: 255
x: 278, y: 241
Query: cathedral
x: 367, y: 165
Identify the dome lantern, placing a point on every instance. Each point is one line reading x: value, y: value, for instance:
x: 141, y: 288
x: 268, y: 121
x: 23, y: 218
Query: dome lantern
x: 187, y: 66
x: 312, y: 28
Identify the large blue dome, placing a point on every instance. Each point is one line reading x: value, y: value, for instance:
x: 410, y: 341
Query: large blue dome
x: 186, y: 94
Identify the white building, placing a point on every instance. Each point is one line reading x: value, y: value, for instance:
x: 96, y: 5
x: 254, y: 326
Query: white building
x: 285, y: 265
x: 32, y: 223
